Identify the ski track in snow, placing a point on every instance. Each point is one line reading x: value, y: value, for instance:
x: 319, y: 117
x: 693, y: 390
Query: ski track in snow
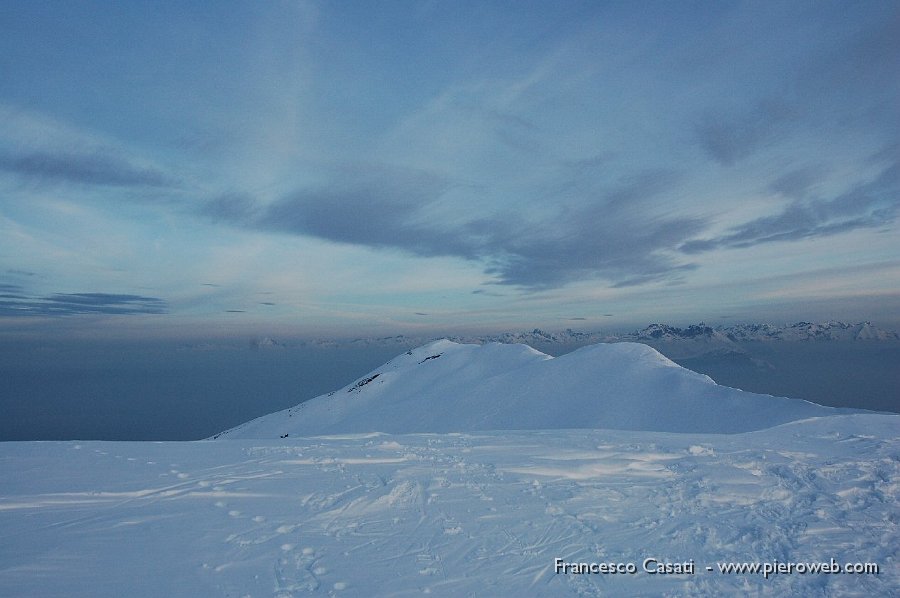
x: 479, y: 514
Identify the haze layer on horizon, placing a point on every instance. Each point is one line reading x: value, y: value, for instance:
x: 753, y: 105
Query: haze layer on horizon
x: 349, y: 169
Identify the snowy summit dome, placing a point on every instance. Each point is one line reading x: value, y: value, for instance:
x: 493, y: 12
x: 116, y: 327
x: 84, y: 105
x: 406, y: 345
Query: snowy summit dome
x: 449, y: 387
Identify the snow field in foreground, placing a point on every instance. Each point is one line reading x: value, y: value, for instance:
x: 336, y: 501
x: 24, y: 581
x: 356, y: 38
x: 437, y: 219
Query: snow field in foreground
x: 480, y: 514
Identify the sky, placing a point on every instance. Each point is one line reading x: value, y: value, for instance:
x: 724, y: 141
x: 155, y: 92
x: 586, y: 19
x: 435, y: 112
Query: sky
x: 356, y: 168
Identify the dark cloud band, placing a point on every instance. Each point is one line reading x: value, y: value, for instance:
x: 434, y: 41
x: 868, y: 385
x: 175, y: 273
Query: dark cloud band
x: 85, y: 168
x: 868, y: 205
x: 70, y: 304
x: 604, y: 237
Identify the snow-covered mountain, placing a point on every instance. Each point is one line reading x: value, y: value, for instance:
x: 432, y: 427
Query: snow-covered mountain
x: 806, y: 331
x: 280, y: 510
x: 539, y: 337
x: 683, y: 343
x: 800, y: 331
x: 450, y: 387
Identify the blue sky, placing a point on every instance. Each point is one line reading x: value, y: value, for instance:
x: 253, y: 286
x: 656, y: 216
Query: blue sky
x: 355, y: 168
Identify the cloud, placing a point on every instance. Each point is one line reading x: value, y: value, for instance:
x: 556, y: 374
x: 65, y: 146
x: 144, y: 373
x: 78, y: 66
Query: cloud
x: 382, y: 208
x: 797, y: 182
x: 92, y: 168
x: 69, y: 304
x: 730, y: 139
x: 230, y: 207
x: 867, y: 205
x: 603, y: 237
x: 607, y: 237
x: 591, y: 164
x: 859, y: 70
x: 843, y: 82
x: 37, y: 147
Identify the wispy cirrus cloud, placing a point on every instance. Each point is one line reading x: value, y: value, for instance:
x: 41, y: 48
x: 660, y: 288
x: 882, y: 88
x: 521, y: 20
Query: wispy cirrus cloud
x: 867, y: 205
x: 846, y: 81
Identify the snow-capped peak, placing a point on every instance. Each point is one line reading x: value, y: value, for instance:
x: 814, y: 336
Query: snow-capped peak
x: 450, y: 387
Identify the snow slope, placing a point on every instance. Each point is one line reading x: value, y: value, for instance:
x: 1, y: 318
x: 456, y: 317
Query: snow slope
x: 476, y: 514
x: 450, y: 387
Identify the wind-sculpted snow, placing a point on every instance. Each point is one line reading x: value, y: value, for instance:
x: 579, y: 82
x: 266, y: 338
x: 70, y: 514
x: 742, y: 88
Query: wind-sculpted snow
x: 450, y: 387
x: 476, y: 514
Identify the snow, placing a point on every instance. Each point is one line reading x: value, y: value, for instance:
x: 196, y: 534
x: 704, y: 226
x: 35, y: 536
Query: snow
x: 807, y: 331
x: 471, y: 512
x: 482, y: 514
x: 450, y: 387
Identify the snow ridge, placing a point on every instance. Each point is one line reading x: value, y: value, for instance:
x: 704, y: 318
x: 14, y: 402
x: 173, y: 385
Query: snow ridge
x: 449, y: 387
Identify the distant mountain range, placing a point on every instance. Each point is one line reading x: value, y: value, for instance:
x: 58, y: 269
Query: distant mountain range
x: 701, y: 340
x: 681, y: 342
x: 801, y: 331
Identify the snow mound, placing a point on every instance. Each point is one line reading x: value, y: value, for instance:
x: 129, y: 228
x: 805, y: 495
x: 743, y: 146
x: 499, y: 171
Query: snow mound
x: 449, y: 387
